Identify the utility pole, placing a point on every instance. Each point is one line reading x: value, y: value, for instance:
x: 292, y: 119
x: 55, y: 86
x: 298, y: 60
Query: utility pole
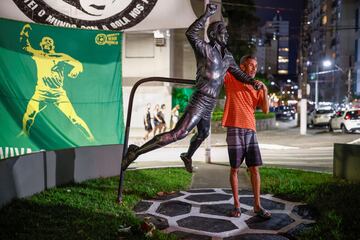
x: 317, y: 86
x: 349, y: 93
x: 349, y: 86
x: 303, y: 70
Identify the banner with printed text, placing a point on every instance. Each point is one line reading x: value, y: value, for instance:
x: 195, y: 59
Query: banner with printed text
x: 118, y: 15
x: 59, y: 88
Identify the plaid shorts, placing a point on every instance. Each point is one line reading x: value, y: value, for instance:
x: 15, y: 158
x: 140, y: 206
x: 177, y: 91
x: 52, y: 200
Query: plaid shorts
x: 242, y: 144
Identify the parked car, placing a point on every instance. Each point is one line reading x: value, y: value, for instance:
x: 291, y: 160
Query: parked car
x: 347, y: 121
x: 320, y: 117
x: 284, y: 113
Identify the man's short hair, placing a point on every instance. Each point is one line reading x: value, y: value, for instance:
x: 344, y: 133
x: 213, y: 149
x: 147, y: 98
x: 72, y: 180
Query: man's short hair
x: 215, y: 27
x: 247, y: 57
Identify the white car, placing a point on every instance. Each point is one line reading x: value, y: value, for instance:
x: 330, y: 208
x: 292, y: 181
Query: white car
x: 320, y: 117
x: 347, y: 121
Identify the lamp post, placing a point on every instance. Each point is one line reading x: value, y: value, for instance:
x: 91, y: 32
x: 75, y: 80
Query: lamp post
x: 328, y: 63
x: 317, y: 86
x: 325, y: 64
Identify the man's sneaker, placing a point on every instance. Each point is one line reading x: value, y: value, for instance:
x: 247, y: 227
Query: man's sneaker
x: 129, y: 157
x: 187, y: 162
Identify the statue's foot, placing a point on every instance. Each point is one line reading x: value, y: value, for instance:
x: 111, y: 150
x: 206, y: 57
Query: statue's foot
x: 129, y: 157
x: 187, y: 162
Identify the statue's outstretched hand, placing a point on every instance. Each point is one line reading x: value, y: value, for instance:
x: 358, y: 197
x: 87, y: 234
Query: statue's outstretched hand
x: 211, y: 9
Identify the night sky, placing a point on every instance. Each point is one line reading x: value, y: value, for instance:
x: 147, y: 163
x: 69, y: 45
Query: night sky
x: 290, y: 11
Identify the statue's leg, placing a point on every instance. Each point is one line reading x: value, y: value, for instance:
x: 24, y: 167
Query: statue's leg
x: 203, y: 128
x: 181, y: 130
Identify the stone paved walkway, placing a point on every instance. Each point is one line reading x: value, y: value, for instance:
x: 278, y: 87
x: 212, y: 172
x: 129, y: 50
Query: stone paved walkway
x: 204, y: 214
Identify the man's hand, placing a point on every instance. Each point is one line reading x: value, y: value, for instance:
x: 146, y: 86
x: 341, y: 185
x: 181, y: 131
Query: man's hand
x: 25, y: 30
x: 75, y: 72
x: 211, y: 9
x: 259, y: 85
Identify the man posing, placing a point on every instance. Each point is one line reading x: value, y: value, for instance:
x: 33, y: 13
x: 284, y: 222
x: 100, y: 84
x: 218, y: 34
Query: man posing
x: 213, y: 60
x: 241, y: 102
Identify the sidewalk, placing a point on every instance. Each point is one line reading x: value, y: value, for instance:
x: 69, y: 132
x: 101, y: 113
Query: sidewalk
x: 288, y: 137
x: 217, y: 176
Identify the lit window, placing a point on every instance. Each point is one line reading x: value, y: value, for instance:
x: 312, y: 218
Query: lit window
x: 283, y: 60
x: 324, y: 20
x: 284, y: 49
x: 283, y: 72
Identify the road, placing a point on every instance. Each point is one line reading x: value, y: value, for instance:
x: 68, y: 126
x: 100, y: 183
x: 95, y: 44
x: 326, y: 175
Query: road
x: 283, y: 146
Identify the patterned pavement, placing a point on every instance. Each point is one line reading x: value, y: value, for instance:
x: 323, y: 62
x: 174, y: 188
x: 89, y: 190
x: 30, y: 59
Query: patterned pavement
x: 204, y: 214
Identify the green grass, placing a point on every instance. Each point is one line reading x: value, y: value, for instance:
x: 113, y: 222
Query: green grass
x: 261, y: 115
x: 336, y: 202
x: 88, y: 210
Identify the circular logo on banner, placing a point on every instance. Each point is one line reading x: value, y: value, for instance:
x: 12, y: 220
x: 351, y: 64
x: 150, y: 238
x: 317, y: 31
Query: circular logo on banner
x: 88, y: 14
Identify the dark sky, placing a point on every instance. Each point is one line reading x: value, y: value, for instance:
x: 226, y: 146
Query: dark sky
x: 291, y: 11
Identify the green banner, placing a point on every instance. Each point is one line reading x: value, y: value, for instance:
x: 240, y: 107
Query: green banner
x: 59, y: 88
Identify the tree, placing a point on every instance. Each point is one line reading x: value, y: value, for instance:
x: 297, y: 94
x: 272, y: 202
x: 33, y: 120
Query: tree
x: 242, y: 25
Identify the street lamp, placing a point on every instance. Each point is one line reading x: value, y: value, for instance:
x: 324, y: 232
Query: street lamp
x: 328, y: 63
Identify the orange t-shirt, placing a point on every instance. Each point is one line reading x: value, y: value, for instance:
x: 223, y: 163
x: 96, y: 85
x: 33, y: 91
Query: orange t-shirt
x: 241, y: 102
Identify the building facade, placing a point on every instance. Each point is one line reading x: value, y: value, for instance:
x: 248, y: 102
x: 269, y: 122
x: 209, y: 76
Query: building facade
x: 356, y: 69
x: 332, y: 39
x: 275, y: 38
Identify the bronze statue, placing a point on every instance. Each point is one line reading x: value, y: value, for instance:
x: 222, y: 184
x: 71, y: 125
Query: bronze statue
x: 213, y: 61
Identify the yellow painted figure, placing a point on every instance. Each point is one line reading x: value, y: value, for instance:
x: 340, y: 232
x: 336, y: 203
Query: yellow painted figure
x: 50, y: 80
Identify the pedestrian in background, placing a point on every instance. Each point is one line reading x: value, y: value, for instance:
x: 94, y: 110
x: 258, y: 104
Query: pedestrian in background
x: 161, y: 116
x: 157, y: 120
x: 174, y: 116
x: 147, y: 121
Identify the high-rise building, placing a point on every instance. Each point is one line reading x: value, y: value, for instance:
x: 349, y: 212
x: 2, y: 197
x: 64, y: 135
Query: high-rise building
x: 356, y: 68
x: 332, y: 38
x: 275, y: 35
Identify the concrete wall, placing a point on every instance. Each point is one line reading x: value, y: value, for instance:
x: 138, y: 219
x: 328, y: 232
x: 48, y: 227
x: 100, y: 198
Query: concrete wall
x: 261, y: 125
x: 142, y: 58
x: 26, y: 175
x: 347, y: 161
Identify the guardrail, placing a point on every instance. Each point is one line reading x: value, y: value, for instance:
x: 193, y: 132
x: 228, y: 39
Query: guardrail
x: 128, y: 118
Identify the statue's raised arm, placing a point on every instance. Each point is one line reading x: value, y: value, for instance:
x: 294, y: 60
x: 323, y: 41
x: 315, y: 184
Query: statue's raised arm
x: 193, y: 31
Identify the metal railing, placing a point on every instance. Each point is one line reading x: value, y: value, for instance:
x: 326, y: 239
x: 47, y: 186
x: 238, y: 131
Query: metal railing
x: 128, y: 119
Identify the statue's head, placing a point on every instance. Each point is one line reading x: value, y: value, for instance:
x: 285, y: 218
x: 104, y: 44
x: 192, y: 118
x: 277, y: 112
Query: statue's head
x: 91, y: 7
x: 47, y: 44
x: 217, y: 33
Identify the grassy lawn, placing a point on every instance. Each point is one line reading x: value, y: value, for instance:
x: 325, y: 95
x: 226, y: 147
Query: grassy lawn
x: 336, y: 202
x: 87, y: 210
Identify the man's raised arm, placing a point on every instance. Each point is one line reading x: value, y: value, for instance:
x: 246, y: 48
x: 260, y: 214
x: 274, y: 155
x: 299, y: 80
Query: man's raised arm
x: 24, y: 39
